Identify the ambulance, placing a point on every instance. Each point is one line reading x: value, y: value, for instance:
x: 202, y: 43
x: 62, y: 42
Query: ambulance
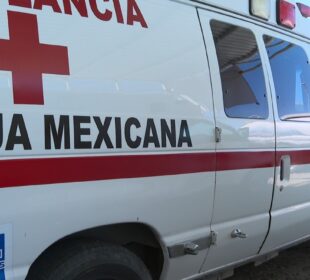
x: 152, y: 139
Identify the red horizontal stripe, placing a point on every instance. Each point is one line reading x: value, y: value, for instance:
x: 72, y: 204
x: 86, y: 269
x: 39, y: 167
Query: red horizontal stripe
x: 297, y: 157
x: 40, y: 171
x: 25, y: 172
x: 252, y: 160
x: 244, y: 160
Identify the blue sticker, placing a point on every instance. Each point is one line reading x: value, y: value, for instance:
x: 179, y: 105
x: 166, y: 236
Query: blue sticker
x: 2, y: 256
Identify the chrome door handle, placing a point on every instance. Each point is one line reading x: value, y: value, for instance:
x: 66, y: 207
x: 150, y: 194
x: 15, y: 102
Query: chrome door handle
x: 285, y: 168
x: 237, y: 233
x: 191, y: 249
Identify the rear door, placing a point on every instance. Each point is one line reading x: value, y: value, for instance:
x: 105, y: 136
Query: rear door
x: 246, y: 139
x: 289, y: 72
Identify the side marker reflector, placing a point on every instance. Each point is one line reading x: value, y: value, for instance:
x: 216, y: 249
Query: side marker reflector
x: 304, y: 9
x: 286, y: 14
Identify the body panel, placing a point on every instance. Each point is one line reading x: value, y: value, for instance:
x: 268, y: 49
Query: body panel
x: 291, y: 196
x: 242, y: 197
x: 120, y: 74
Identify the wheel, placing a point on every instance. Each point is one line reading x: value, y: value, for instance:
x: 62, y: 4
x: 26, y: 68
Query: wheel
x: 89, y: 261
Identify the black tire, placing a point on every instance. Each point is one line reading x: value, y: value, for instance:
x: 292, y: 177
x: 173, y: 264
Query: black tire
x: 89, y: 261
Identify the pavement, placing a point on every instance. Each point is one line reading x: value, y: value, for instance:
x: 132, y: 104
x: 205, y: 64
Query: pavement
x: 293, y: 264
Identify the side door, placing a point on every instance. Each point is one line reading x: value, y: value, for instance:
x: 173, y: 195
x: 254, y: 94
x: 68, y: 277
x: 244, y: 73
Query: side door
x: 245, y: 152
x: 289, y: 73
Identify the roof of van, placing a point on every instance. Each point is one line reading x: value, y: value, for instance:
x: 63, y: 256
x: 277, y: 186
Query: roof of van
x: 243, y: 7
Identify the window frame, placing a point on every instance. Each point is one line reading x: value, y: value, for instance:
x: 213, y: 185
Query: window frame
x: 264, y: 72
x: 290, y: 40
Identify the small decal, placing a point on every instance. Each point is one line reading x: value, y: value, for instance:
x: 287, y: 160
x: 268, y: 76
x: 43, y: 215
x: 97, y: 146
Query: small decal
x: 2, y: 257
x: 6, y: 252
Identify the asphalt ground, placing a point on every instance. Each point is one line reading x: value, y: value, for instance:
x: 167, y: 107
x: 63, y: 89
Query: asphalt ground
x: 293, y: 264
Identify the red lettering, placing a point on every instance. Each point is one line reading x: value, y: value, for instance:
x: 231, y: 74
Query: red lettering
x: 106, y: 16
x: 134, y: 14
x: 80, y: 5
x: 38, y: 4
x: 28, y: 59
x: 20, y: 3
x: 118, y: 11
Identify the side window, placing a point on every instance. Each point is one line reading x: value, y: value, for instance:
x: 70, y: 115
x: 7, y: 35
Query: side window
x: 243, y: 83
x: 291, y: 75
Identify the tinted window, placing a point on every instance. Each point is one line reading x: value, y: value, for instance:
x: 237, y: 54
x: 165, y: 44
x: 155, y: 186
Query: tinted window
x: 243, y: 83
x: 291, y: 75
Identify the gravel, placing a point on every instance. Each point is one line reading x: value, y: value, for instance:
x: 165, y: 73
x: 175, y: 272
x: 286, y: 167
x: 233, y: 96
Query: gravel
x: 293, y: 264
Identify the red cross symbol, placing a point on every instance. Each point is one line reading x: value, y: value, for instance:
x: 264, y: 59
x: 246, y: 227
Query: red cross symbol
x: 28, y: 59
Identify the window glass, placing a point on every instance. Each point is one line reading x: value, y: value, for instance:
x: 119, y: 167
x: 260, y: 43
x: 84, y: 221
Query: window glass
x: 291, y: 75
x: 243, y: 83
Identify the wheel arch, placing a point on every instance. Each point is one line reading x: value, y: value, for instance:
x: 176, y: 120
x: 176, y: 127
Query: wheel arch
x: 140, y: 238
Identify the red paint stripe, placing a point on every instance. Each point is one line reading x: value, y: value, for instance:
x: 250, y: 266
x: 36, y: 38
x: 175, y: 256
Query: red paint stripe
x: 252, y: 160
x: 297, y: 157
x: 26, y: 172
x: 244, y: 160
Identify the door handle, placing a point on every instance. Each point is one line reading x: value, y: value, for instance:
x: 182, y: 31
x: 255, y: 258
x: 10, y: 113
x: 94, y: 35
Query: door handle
x: 285, y: 168
x: 237, y: 233
x: 191, y: 249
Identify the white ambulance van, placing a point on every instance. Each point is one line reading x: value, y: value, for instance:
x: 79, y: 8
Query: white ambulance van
x: 152, y: 139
